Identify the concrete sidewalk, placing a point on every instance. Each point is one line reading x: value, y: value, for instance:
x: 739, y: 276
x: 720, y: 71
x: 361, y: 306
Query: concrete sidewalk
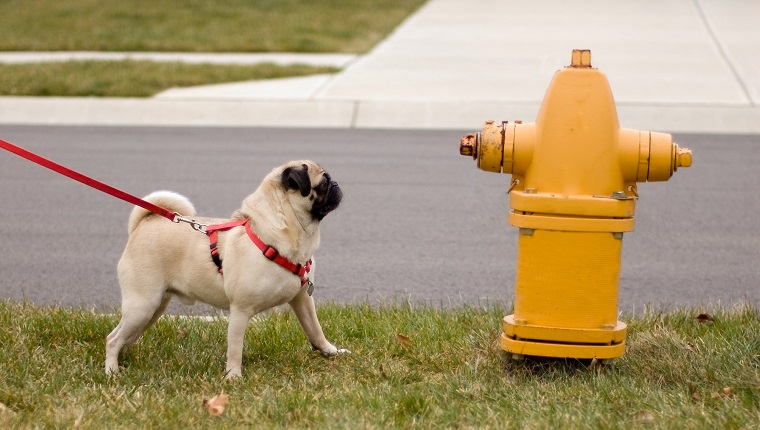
x: 673, y: 65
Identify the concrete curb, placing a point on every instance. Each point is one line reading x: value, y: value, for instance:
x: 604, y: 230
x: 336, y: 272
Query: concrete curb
x: 283, y: 58
x: 348, y: 114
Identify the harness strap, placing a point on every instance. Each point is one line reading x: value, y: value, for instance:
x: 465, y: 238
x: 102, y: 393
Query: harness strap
x: 269, y: 252
x: 213, y: 237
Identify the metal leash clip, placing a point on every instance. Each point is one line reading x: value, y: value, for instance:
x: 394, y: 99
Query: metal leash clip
x: 193, y: 223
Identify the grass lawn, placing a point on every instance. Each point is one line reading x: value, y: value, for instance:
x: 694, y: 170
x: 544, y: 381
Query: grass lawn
x: 346, y: 26
x: 330, y: 26
x: 130, y: 78
x: 423, y: 367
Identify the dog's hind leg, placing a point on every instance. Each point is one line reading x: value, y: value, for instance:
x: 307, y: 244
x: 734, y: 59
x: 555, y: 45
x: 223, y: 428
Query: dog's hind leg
x: 137, y: 314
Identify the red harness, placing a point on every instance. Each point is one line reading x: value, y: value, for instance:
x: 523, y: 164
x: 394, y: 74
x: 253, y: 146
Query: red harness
x: 268, y: 251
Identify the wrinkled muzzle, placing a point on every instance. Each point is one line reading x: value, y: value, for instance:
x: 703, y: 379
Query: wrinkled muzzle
x: 327, y: 202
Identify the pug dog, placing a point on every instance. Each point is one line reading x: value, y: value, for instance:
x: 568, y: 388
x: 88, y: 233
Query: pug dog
x: 163, y: 259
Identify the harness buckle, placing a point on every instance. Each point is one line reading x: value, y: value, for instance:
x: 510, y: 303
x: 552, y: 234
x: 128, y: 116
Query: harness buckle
x: 299, y: 270
x: 270, y: 252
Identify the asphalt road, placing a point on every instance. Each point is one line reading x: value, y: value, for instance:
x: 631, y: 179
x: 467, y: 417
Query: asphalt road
x: 418, y: 221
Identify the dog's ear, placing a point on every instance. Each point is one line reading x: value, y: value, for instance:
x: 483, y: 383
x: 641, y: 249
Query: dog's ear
x: 297, y: 179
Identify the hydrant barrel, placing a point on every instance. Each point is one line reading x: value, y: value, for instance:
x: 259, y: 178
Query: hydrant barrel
x: 573, y: 194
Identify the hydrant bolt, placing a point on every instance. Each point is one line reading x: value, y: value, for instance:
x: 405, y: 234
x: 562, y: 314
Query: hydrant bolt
x: 581, y: 58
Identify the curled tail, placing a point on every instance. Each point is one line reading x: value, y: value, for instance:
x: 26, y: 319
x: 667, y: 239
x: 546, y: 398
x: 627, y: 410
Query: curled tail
x: 166, y: 199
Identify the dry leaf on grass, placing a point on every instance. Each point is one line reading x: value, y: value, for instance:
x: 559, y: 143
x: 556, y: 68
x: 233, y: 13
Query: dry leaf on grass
x: 215, y: 405
x: 400, y: 338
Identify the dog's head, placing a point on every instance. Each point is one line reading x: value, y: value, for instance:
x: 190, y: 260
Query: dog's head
x: 308, y: 181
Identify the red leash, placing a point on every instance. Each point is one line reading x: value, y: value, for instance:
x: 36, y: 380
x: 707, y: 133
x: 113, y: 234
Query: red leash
x: 63, y: 170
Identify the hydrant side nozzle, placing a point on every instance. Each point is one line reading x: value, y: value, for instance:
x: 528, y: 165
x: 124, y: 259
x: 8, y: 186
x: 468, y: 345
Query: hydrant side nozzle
x: 491, y: 148
x: 647, y: 156
x: 665, y: 157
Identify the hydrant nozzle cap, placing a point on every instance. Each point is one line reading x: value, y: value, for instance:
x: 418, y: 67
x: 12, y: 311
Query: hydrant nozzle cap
x: 468, y: 146
x: 683, y: 157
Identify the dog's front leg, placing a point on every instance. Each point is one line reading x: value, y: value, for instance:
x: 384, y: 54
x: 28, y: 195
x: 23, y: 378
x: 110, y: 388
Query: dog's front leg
x: 236, y: 326
x: 303, y: 306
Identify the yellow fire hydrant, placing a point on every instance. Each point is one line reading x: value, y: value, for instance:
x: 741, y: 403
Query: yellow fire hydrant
x: 572, y: 195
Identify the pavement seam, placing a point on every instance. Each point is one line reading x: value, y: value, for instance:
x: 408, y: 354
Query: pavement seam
x: 355, y: 114
x: 716, y: 42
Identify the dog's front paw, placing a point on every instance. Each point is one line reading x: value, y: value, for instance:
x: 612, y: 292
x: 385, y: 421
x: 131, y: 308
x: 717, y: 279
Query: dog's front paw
x: 112, y: 368
x: 233, y: 374
x: 332, y: 351
x: 337, y: 351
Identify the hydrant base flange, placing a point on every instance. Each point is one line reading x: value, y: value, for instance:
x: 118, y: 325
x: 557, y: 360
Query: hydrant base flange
x: 561, y: 342
x: 561, y: 350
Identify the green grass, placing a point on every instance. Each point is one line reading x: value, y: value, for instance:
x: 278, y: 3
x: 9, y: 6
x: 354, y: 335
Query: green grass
x: 346, y: 26
x: 451, y: 374
x: 130, y: 78
x: 329, y: 26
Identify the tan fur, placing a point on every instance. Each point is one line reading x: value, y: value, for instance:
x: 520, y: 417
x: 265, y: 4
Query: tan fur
x: 163, y: 259
x: 167, y: 200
